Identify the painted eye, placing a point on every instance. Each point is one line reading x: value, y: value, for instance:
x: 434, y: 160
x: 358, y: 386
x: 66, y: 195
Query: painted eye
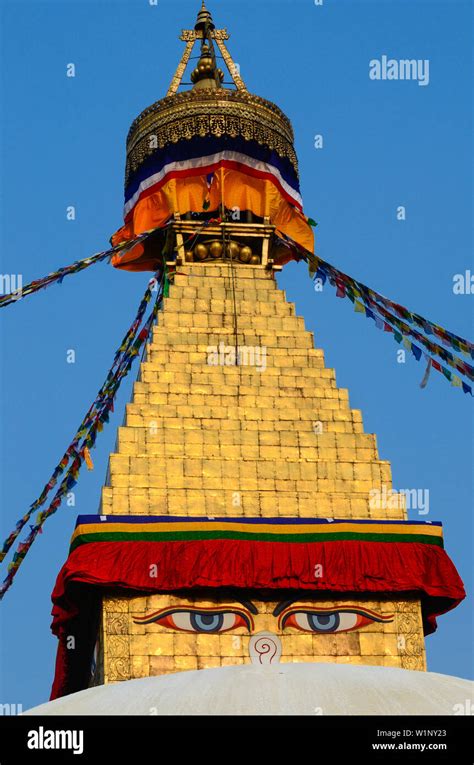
x: 202, y: 621
x: 205, y: 621
x: 326, y: 621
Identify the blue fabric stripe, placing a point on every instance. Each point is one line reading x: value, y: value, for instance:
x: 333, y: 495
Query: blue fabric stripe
x: 84, y: 519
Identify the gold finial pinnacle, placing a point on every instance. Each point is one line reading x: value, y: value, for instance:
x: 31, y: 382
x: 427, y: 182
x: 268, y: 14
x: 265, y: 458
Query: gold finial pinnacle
x: 205, y: 75
x: 204, y: 21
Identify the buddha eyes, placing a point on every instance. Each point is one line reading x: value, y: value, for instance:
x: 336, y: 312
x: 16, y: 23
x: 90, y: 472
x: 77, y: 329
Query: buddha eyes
x: 209, y: 621
x: 217, y: 620
x: 203, y: 621
x: 329, y: 621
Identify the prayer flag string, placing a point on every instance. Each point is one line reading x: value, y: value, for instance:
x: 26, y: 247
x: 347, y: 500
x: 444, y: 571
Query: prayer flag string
x: 410, y: 346
x: 85, y: 437
x: 56, y: 277
x: 392, y: 317
x: 370, y: 306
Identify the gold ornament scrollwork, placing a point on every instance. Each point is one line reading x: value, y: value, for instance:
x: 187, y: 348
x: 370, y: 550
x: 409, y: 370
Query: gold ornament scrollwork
x: 119, y: 669
x: 117, y: 648
x: 410, y: 635
x: 117, y: 623
x: 181, y: 105
x: 215, y: 124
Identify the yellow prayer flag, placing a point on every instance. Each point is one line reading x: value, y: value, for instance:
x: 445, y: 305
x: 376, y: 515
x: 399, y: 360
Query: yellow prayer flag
x: 88, y: 459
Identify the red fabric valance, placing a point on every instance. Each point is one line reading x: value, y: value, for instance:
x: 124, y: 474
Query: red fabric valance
x: 367, y: 568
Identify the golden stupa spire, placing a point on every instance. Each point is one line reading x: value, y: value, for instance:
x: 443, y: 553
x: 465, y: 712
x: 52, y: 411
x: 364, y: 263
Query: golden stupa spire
x: 204, y: 20
x: 206, y: 74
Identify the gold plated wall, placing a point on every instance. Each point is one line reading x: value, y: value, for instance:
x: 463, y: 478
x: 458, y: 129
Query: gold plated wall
x: 273, y: 438
x: 133, y: 650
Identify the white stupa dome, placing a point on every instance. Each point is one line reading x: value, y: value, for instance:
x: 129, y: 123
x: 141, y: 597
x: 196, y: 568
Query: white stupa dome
x: 279, y: 689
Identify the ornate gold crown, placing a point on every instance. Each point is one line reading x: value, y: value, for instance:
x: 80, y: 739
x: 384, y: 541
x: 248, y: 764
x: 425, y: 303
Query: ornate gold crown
x: 208, y: 109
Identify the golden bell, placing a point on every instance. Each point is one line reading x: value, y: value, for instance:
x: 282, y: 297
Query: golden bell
x: 232, y: 250
x: 255, y: 260
x: 245, y: 254
x: 215, y: 249
x: 201, y: 252
x: 189, y: 256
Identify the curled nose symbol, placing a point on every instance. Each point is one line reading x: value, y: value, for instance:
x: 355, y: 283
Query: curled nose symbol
x: 265, y: 648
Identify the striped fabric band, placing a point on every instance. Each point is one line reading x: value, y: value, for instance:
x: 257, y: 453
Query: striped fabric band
x: 202, y: 156
x: 166, y: 528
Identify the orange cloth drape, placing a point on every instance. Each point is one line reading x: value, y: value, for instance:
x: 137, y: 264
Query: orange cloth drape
x: 239, y: 190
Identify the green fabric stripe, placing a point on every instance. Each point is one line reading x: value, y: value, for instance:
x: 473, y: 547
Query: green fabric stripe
x: 178, y: 536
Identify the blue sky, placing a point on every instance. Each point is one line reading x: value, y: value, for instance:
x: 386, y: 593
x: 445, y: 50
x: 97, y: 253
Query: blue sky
x: 386, y: 143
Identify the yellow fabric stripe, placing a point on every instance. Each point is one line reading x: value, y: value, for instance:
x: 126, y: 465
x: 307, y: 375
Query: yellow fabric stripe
x: 290, y: 528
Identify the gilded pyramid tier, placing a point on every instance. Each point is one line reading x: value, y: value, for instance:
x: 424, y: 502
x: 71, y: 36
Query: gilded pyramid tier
x: 271, y: 435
